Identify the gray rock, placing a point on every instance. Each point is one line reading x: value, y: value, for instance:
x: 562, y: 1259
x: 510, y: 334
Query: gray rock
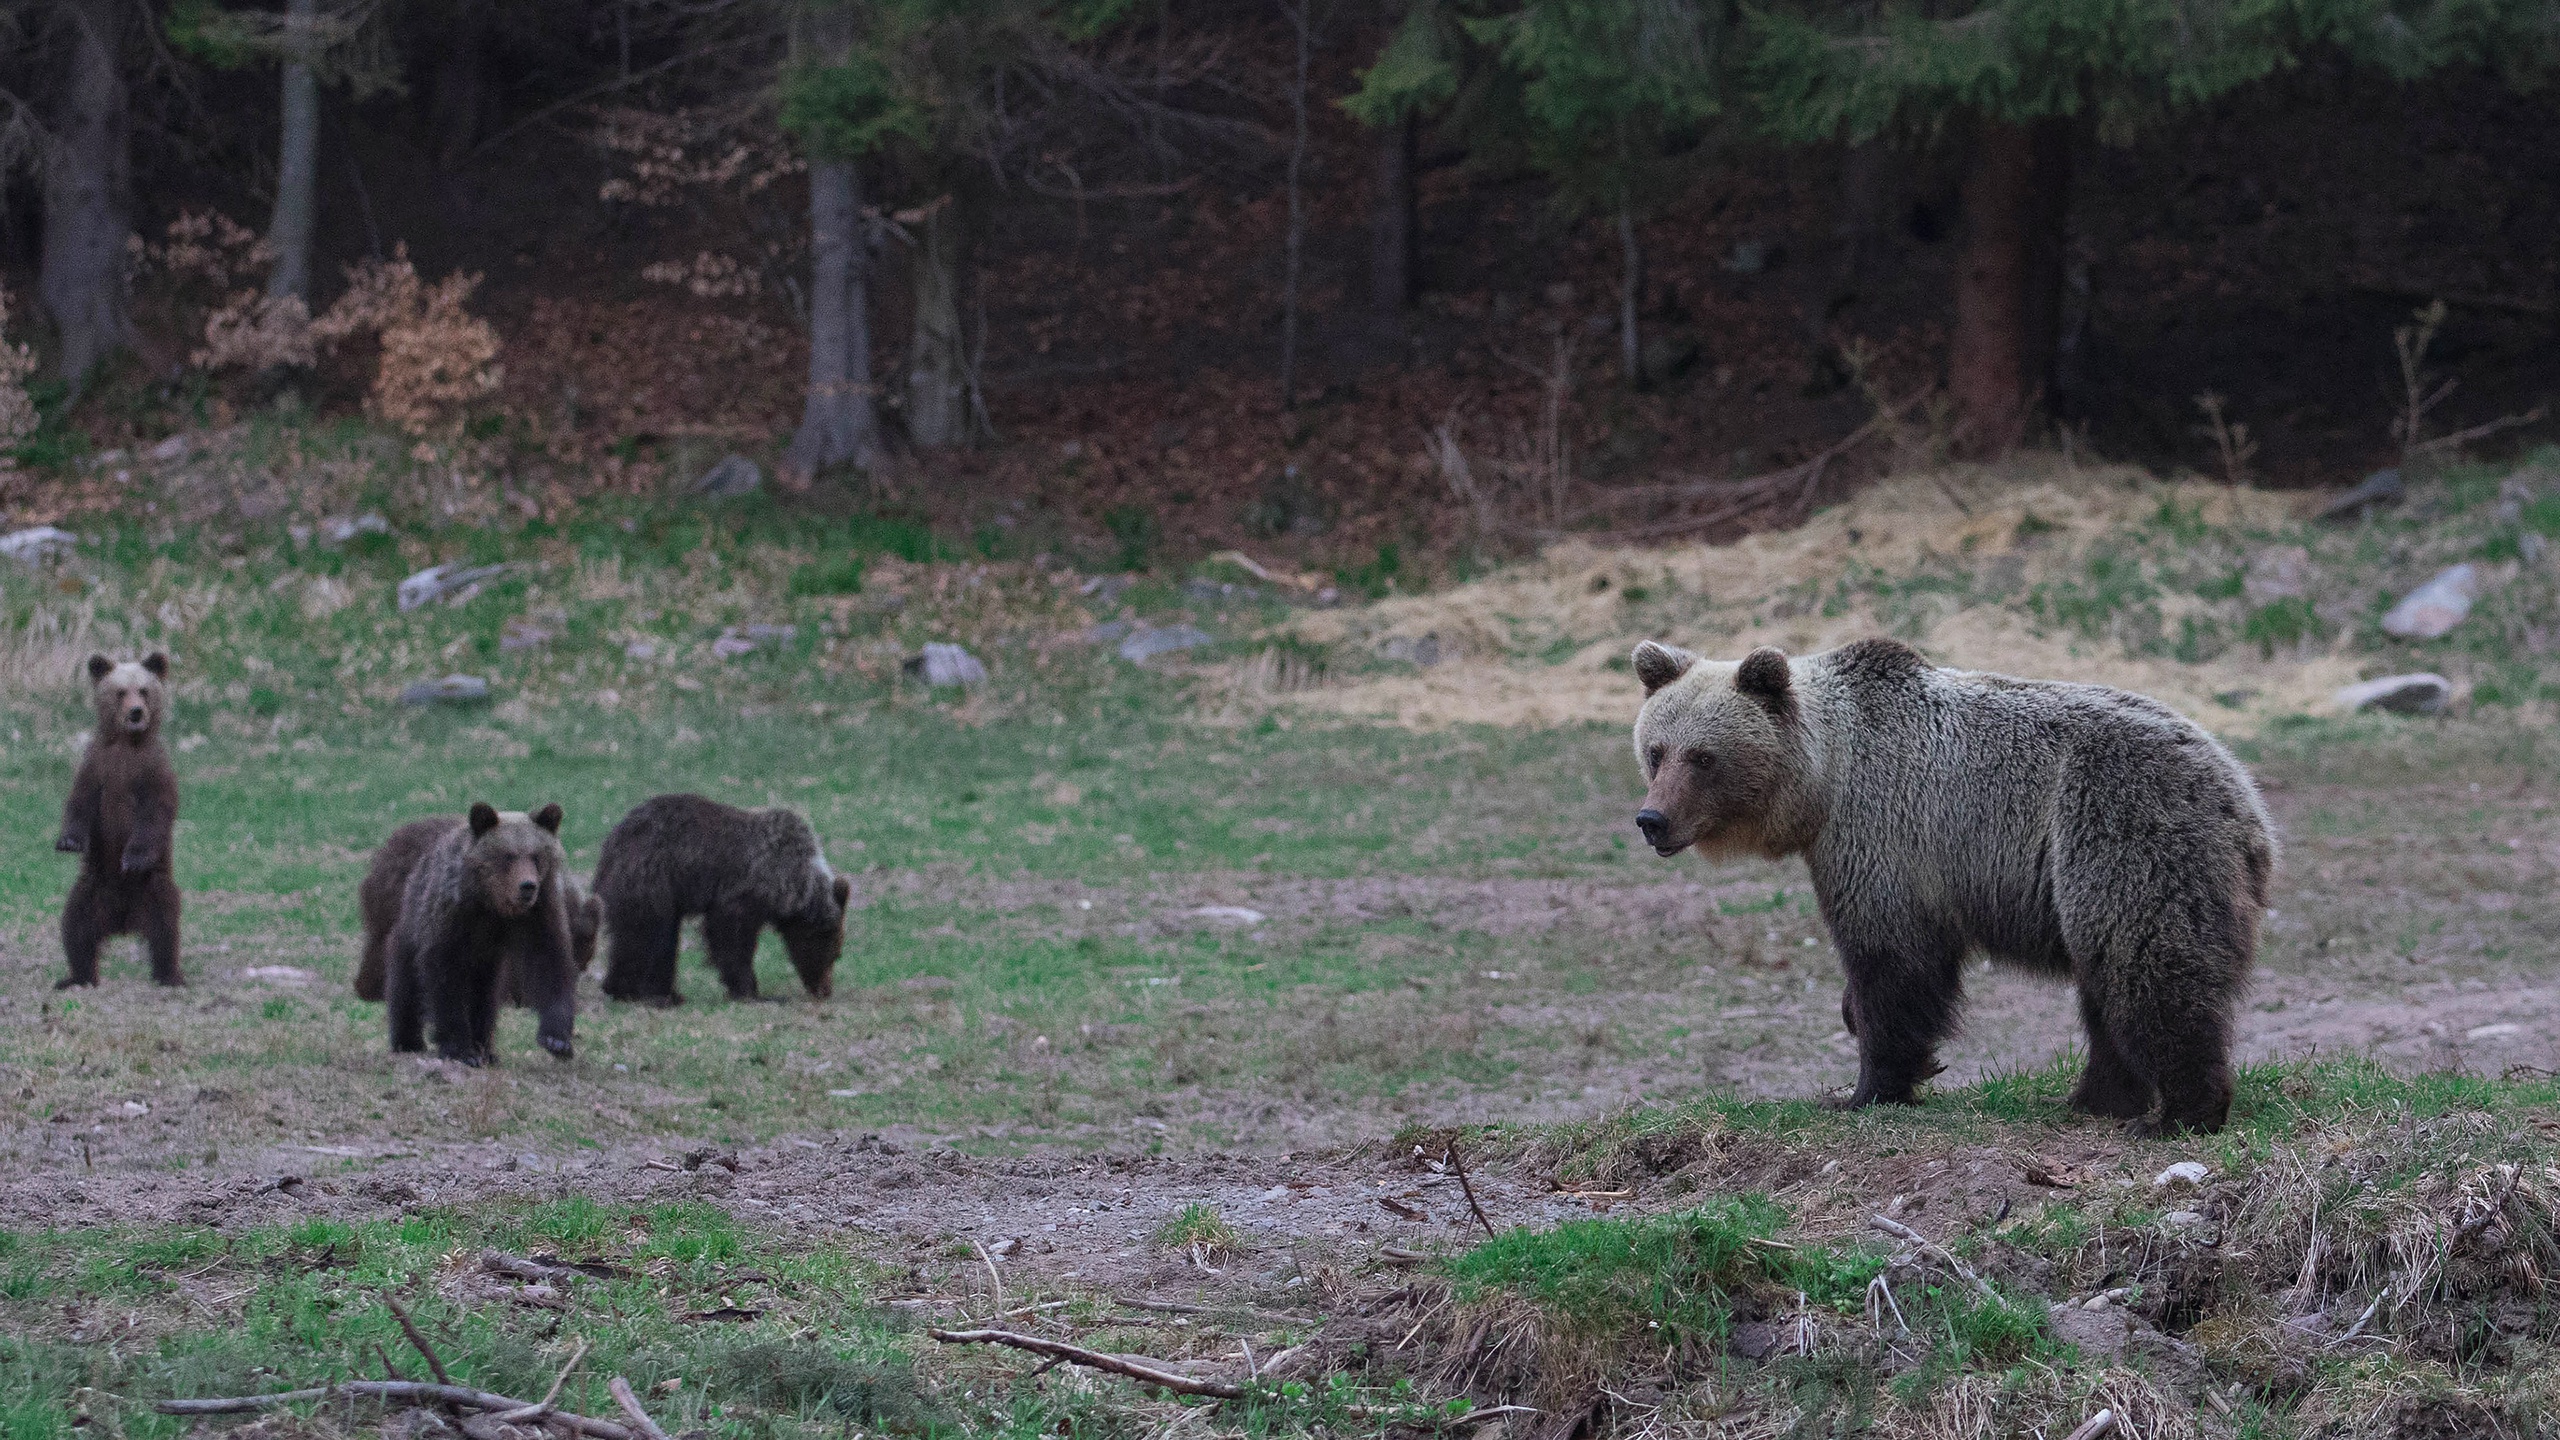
x: 2436, y: 607
x: 2382, y: 487
x: 734, y: 475
x: 37, y: 545
x: 451, y: 690
x: 1147, y: 642
x: 731, y: 645
x: 346, y: 528
x: 2102, y: 1335
x: 1422, y: 650
x: 941, y: 665
x: 737, y: 640
x: 2279, y: 572
x: 2419, y: 694
x: 444, y: 582
x: 173, y: 448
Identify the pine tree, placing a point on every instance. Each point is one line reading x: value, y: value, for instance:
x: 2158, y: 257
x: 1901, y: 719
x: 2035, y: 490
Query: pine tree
x: 2020, y: 82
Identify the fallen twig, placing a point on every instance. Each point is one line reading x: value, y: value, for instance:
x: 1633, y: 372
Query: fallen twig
x: 409, y: 1328
x: 414, y: 1391
x: 499, y: 1262
x: 1937, y: 1252
x: 1458, y: 1164
x: 645, y: 1428
x: 992, y: 1277
x: 2102, y: 1423
x: 1139, y: 1370
x: 543, y: 1406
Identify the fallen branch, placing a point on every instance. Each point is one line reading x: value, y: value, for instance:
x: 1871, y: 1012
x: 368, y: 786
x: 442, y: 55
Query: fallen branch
x: 644, y: 1427
x: 409, y: 1328
x: 499, y: 1262
x: 413, y: 1391
x: 542, y: 1407
x: 1937, y: 1252
x: 1139, y: 1370
x: 2102, y: 1423
x: 1458, y: 1164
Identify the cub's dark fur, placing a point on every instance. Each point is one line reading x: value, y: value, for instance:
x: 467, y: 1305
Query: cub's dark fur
x: 483, y: 901
x: 379, y: 900
x: 120, y: 819
x: 740, y: 870
x: 2072, y: 829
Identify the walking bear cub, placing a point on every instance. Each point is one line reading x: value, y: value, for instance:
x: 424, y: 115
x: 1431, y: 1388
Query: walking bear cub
x: 483, y: 901
x: 2071, y: 829
x: 740, y: 870
x: 120, y: 819
x: 384, y: 881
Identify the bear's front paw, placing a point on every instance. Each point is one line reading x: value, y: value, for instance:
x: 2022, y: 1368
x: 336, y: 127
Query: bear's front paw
x: 71, y: 844
x: 138, y: 859
x: 69, y: 981
x: 559, y: 1047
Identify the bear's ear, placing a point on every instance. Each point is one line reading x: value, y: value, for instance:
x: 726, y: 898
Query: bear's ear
x: 484, y: 818
x: 1658, y: 664
x: 548, y: 817
x: 99, y: 665
x: 157, y: 664
x: 1764, y: 674
x: 843, y: 892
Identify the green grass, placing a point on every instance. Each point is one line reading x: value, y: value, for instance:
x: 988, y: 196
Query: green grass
x: 1672, y: 1275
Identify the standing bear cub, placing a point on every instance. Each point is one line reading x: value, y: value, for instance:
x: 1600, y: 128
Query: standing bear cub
x: 120, y: 819
x: 740, y: 870
x: 378, y: 903
x: 2071, y: 829
x: 483, y: 903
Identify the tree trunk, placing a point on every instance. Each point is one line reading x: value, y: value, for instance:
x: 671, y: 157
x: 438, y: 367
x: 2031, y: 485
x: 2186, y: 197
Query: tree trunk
x: 1630, y: 296
x: 1302, y: 18
x: 86, y: 165
x: 2017, y: 195
x: 460, y: 95
x: 297, y: 160
x: 1394, y: 230
x: 937, y: 356
x: 839, y: 423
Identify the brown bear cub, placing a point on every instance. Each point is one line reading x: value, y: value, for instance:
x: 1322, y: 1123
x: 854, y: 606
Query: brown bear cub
x: 379, y: 901
x: 740, y: 870
x: 120, y: 819
x: 2076, y: 830
x: 483, y: 902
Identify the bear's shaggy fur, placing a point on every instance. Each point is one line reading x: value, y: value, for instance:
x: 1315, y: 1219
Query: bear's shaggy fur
x: 120, y: 819
x: 2071, y: 829
x: 740, y: 870
x: 483, y: 902
x: 378, y: 899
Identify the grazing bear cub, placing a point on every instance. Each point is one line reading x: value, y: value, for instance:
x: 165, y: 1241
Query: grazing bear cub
x: 483, y: 901
x: 2072, y: 829
x: 379, y: 901
x: 120, y: 819
x: 740, y: 870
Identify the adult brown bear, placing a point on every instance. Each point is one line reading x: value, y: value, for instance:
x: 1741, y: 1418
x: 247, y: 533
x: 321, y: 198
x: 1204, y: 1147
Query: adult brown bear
x: 2072, y: 829
x: 120, y: 820
x: 482, y: 902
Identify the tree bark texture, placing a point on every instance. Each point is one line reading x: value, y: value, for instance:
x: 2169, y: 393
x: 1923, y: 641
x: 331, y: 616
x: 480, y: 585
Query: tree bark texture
x: 297, y: 159
x: 1394, y: 229
x: 461, y: 92
x: 839, y: 421
x: 937, y: 353
x: 86, y: 168
x: 1630, y: 296
x: 2017, y: 195
x: 1302, y: 18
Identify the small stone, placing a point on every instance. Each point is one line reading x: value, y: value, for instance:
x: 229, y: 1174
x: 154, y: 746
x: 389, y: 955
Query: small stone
x: 175, y: 447
x: 731, y: 645
x: 37, y: 545
x: 2382, y: 487
x: 2182, y: 1220
x: 439, y: 582
x: 2491, y: 1032
x: 734, y: 475
x: 2185, y: 1172
x: 2436, y: 607
x: 2424, y: 693
x: 2279, y: 572
x: 134, y: 1109
x: 940, y: 665
x: 278, y: 974
x: 451, y: 690
x: 641, y: 650
x: 345, y: 528
x: 1422, y: 650
x: 1236, y: 915
x: 1147, y: 642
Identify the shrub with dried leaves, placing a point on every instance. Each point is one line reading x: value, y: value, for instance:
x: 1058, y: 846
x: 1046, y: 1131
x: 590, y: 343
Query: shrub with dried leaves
x: 437, y: 357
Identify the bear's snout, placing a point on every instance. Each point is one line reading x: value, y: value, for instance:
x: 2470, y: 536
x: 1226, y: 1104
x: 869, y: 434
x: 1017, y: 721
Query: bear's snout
x: 1657, y: 832
x: 527, y: 891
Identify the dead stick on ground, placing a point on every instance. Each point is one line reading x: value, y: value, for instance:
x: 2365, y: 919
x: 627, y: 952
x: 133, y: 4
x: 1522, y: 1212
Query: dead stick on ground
x: 2102, y: 1423
x: 409, y: 1328
x: 1935, y: 1251
x: 543, y: 1406
x: 992, y: 1277
x: 630, y: 1403
x: 413, y: 1391
x: 1138, y: 1370
x: 1458, y: 1164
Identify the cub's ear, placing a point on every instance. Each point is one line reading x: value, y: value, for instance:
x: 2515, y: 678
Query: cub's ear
x: 99, y: 665
x: 1658, y: 664
x: 548, y: 817
x: 1764, y: 674
x: 843, y: 892
x: 484, y: 818
x: 157, y: 664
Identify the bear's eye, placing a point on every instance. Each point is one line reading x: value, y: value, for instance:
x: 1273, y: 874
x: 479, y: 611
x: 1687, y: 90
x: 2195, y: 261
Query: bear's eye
x: 1700, y: 760
x: 1653, y: 759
